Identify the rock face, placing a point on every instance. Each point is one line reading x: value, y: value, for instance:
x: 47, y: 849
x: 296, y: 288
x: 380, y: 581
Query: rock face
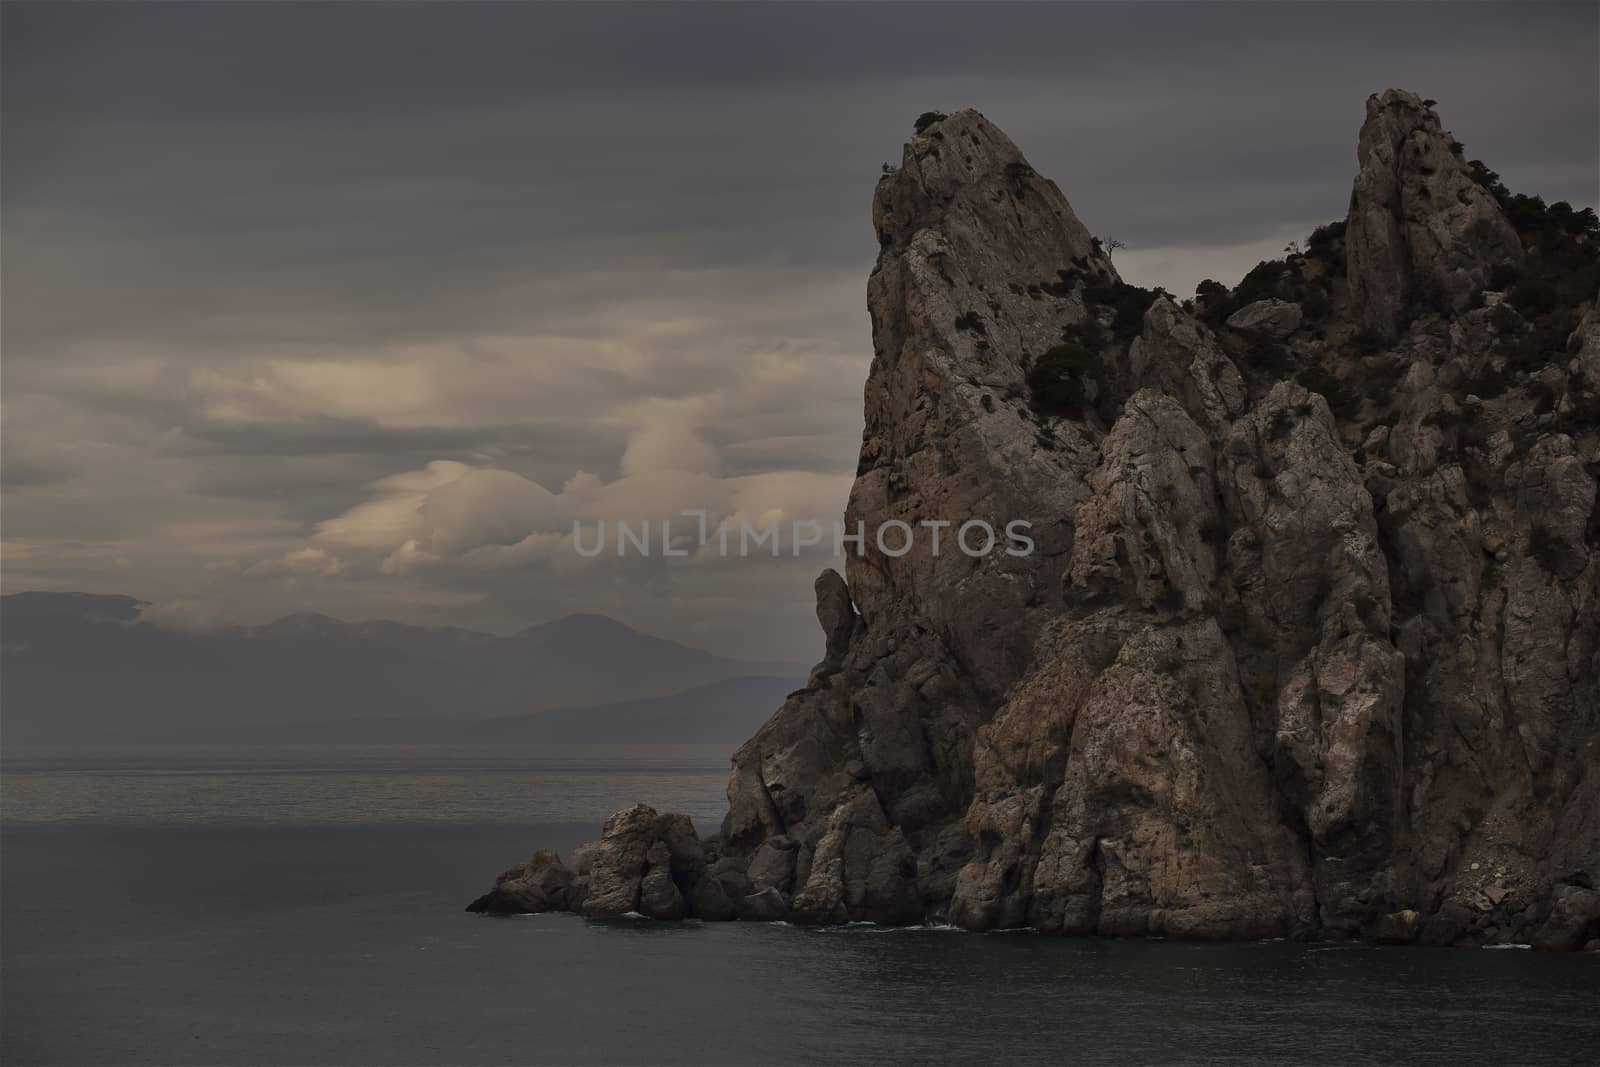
x: 1275, y: 318
x: 1307, y: 643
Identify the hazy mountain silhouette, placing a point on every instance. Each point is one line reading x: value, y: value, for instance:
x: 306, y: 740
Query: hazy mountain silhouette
x: 83, y: 669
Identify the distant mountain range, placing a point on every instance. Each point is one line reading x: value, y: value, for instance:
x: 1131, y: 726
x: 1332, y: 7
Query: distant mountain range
x: 83, y: 669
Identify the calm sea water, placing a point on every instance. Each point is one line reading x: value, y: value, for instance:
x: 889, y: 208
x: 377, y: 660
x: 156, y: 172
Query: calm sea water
x: 305, y: 907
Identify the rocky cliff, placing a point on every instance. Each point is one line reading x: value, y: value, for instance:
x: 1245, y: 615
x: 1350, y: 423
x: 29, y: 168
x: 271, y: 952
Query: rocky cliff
x: 1308, y: 644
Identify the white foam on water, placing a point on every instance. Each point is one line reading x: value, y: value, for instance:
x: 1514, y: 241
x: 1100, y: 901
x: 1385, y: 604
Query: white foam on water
x: 862, y: 927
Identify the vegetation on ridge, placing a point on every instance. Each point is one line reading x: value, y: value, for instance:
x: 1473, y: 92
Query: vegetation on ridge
x: 1058, y: 381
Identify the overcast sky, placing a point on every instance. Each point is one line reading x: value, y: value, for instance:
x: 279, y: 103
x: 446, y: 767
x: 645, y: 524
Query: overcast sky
x: 352, y: 308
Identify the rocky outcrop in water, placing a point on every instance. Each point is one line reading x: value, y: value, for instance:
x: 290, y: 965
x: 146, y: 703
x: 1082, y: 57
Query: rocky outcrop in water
x: 1308, y: 643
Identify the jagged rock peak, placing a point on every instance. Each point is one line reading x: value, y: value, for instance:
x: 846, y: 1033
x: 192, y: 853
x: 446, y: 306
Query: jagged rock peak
x: 962, y: 174
x: 1421, y: 231
x: 982, y: 265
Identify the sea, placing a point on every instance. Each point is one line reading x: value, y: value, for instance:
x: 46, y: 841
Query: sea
x: 305, y: 906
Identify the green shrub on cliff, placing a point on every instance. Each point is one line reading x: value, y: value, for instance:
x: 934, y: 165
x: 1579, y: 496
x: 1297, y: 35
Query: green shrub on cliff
x: 1058, y: 381
x: 1561, y: 270
x: 1342, y: 400
x: 1130, y: 302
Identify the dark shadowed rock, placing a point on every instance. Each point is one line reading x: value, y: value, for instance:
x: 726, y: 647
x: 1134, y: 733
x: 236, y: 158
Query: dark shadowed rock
x: 541, y: 884
x: 659, y: 897
x: 1397, y: 928
x: 766, y: 905
x: 836, y: 615
x: 1573, y: 921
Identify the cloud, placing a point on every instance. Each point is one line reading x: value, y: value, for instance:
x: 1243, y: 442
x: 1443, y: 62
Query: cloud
x: 487, y: 507
x: 669, y: 440
x: 272, y: 292
x: 307, y: 562
x: 490, y: 517
x: 394, y: 512
x: 352, y: 390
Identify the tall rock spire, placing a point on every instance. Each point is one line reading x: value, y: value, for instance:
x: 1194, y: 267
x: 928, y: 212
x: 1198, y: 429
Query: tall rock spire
x: 1421, y: 232
x: 968, y: 290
